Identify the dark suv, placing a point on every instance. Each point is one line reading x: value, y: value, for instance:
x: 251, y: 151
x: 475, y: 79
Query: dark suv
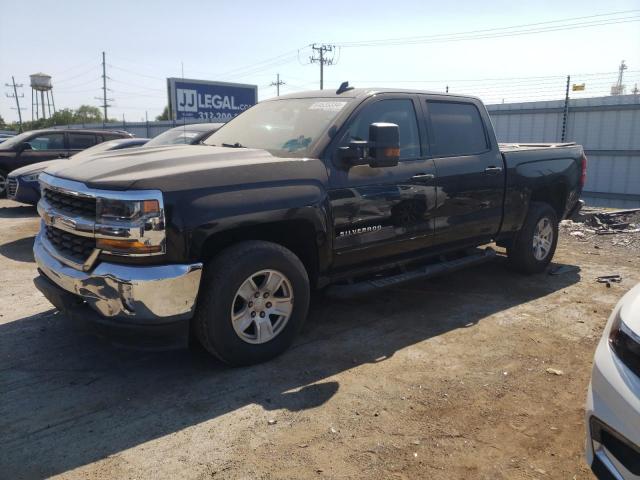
x: 39, y: 145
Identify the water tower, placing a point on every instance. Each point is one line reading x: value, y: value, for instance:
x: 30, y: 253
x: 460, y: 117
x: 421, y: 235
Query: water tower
x: 41, y: 83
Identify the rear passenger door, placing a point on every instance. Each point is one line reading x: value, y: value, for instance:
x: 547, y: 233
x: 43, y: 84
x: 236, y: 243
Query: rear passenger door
x: 79, y: 141
x: 469, y: 166
x: 381, y: 212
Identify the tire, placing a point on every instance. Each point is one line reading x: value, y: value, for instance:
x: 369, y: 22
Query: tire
x: 220, y: 298
x: 3, y: 184
x: 529, y: 253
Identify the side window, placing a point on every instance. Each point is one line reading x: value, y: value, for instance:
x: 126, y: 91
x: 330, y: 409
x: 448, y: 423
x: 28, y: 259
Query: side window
x: 456, y: 129
x: 80, y: 141
x: 400, y: 112
x: 47, y: 141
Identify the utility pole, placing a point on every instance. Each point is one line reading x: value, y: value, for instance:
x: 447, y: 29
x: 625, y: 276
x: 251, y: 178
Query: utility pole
x: 322, y: 59
x: 565, y: 114
x: 16, y: 96
x: 277, y: 83
x: 104, y: 91
x: 619, y: 88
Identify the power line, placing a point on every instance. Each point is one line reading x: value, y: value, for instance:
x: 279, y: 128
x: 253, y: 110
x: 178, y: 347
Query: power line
x: 66, y: 87
x: 500, y: 31
x: 84, y: 72
x: 137, y: 85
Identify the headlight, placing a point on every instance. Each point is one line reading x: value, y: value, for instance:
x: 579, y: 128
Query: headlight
x: 109, y: 209
x: 130, y: 227
x: 30, y: 178
x: 625, y: 344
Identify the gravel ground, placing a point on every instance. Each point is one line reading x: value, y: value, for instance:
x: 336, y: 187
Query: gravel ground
x: 438, y: 379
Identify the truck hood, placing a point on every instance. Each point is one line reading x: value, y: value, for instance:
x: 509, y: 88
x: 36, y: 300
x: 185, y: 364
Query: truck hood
x: 35, y: 168
x: 184, y: 167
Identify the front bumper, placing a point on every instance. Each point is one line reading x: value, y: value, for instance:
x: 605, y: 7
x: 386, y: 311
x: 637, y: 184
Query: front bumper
x: 122, y: 294
x: 612, y: 416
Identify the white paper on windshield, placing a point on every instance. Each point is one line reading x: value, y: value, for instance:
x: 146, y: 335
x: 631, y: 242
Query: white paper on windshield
x: 327, y: 106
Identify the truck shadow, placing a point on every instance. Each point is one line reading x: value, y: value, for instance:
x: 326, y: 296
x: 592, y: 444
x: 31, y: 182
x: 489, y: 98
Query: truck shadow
x: 16, y: 210
x: 70, y: 399
x: 20, y: 250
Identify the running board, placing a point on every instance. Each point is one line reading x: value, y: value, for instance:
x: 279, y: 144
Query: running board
x: 369, y: 286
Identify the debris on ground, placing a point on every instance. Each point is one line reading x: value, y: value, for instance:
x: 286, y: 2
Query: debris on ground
x: 272, y: 421
x: 562, y: 269
x: 620, y: 227
x: 608, y: 279
x: 555, y: 371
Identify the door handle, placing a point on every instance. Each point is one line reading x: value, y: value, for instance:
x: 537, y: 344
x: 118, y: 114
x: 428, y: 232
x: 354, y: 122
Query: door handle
x: 492, y: 170
x: 423, y: 176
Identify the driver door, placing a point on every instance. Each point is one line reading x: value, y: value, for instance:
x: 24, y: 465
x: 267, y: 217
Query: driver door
x: 386, y: 211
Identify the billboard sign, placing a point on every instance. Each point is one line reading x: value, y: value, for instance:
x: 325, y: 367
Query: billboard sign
x: 204, y: 100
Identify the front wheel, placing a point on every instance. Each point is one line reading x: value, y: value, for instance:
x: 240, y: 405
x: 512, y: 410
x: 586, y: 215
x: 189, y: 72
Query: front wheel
x: 3, y: 184
x: 253, y: 301
x: 534, y: 246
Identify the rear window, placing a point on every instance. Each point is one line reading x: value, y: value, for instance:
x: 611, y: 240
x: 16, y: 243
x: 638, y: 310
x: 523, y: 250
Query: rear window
x: 456, y: 129
x: 80, y: 141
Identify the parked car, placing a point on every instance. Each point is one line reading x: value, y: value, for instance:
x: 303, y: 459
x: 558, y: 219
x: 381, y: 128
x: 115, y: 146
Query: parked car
x: 186, y: 134
x: 613, y: 401
x: 23, y: 186
x: 4, y: 136
x: 39, y: 145
x: 357, y: 189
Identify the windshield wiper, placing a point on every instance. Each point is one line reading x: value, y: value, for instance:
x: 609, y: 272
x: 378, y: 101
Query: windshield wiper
x: 233, y: 145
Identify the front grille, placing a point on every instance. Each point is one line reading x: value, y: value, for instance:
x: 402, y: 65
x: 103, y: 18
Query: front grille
x: 12, y: 186
x: 71, y: 204
x: 70, y: 245
x: 626, y: 452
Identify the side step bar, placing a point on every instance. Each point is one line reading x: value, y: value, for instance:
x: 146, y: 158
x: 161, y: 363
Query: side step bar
x: 369, y: 286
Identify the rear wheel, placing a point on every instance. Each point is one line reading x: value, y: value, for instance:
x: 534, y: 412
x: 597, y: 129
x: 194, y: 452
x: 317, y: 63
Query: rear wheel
x: 533, y: 248
x: 253, y: 301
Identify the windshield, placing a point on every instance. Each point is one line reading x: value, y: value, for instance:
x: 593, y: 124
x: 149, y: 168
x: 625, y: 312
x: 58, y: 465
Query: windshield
x: 175, y: 136
x: 9, y: 143
x: 285, y: 128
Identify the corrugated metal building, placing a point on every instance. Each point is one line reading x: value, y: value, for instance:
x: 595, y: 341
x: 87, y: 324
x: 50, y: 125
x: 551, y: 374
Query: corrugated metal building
x: 607, y: 127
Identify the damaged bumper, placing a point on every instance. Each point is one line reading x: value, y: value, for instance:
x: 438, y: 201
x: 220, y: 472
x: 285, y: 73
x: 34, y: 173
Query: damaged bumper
x: 120, y: 294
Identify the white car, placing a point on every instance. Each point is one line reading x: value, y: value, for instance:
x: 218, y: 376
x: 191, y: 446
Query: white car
x: 613, y: 401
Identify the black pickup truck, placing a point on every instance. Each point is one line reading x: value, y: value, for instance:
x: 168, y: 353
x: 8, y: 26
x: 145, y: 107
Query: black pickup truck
x: 353, y: 189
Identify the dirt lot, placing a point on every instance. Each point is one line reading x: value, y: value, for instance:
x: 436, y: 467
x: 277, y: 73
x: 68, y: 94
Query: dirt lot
x: 439, y: 379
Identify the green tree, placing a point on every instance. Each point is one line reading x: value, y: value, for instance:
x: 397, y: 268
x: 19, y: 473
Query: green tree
x: 164, y: 115
x: 63, y: 117
x: 2, y: 122
x: 87, y: 114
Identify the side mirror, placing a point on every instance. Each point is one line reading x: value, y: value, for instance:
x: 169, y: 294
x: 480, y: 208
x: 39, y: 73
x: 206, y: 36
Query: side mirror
x: 23, y: 146
x: 355, y: 153
x: 384, y: 145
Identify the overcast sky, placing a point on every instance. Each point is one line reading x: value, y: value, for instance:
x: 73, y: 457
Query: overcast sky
x: 146, y: 41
